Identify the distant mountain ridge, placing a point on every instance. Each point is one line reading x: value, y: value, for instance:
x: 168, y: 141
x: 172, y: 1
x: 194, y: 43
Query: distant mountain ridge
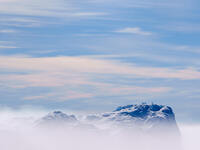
x: 59, y: 116
x: 141, y: 116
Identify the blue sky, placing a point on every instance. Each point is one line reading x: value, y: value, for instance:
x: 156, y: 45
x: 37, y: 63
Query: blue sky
x: 94, y: 55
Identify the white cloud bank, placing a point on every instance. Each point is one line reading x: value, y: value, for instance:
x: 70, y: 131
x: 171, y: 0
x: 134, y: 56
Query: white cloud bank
x: 17, y: 132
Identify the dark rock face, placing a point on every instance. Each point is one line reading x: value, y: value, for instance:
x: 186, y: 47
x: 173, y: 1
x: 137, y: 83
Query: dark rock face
x: 147, y: 112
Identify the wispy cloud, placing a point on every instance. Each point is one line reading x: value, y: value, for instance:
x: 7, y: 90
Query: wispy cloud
x: 7, y: 47
x: 134, y: 30
x: 52, y: 8
x: 8, y: 31
x: 101, y: 89
x: 68, y: 95
x: 21, y: 21
x: 90, y: 65
x: 141, y: 4
x: 80, y: 77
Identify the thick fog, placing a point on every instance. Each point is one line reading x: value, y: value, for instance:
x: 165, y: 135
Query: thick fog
x: 19, y: 130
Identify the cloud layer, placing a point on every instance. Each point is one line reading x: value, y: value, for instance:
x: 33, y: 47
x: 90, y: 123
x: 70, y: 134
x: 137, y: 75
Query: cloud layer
x: 18, y: 132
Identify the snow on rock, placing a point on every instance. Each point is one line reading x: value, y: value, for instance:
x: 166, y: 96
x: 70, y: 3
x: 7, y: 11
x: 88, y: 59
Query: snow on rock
x: 142, y: 117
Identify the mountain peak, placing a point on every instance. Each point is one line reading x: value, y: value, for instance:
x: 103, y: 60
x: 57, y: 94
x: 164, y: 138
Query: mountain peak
x: 144, y: 111
x: 58, y: 116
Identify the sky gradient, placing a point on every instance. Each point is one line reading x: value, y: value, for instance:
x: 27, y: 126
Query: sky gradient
x: 94, y: 55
